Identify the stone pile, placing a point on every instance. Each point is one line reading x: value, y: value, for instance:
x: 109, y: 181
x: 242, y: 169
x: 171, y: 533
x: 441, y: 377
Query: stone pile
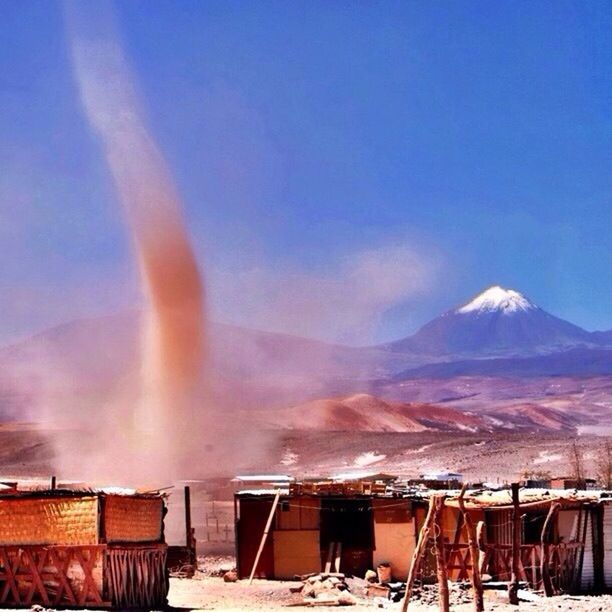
x: 325, y: 589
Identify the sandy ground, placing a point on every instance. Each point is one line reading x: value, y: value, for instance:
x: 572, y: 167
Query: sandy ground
x: 212, y: 593
x: 208, y: 591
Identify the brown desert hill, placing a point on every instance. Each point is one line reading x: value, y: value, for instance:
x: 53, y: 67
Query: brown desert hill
x: 540, y: 417
x: 363, y: 412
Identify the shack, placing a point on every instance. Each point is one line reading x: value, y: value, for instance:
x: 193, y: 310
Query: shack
x: 82, y: 548
x: 353, y: 526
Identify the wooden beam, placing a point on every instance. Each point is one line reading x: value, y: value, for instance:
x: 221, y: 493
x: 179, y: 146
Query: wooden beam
x: 547, y: 584
x: 330, y: 554
x: 516, y: 546
x: 418, y: 553
x: 474, y: 555
x: 443, y: 596
x: 264, y: 536
x: 481, y: 540
x: 188, y: 534
x: 338, y: 557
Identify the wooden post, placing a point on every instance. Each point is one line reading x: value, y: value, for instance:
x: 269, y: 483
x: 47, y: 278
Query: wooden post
x: 547, y: 584
x: 481, y: 539
x: 188, y: 534
x: 264, y: 537
x: 474, y: 556
x: 516, y: 546
x: 418, y: 553
x: 443, y: 597
x: 53, y: 483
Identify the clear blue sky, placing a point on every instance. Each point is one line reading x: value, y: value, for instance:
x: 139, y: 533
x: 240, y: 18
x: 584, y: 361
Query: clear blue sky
x: 303, y: 135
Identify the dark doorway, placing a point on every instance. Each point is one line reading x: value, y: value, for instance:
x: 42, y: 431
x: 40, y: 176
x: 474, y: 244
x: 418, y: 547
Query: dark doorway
x: 254, y: 513
x: 532, y: 528
x: 349, y: 522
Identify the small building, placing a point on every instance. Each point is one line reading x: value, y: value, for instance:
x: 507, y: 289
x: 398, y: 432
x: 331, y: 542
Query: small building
x: 358, y: 525
x: 604, y: 576
x: 262, y: 481
x: 438, y: 481
x: 314, y: 522
x: 569, y: 482
x: 85, y: 548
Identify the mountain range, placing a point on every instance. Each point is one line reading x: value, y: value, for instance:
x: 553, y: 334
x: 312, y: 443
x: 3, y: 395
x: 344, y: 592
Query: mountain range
x: 499, y: 333
x: 498, y: 322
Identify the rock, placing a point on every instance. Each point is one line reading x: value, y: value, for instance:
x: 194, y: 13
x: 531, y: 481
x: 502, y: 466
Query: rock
x: 328, y: 599
x: 377, y: 590
x: 231, y: 576
x: 371, y: 576
x: 346, y: 599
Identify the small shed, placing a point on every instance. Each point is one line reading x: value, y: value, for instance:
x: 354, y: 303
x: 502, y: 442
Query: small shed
x: 86, y: 548
x: 309, y: 530
x: 606, y: 545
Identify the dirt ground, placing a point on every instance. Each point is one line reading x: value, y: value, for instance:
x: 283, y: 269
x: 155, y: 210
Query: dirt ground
x: 208, y: 591
x: 212, y: 593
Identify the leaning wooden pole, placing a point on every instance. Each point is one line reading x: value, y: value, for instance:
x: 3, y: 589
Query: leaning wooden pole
x: 547, y: 584
x: 516, y: 546
x: 418, y: 553
x: 474, y: 554
x: 482, y: 548
x: 443, y: 595
x: 264, y: 536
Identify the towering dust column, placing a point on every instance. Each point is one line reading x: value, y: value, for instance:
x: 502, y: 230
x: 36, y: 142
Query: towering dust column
x: 173, y: 335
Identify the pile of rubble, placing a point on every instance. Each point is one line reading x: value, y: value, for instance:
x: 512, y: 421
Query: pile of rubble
x: 379, y: 584
x: 325, y: 589
x: 459, y: 593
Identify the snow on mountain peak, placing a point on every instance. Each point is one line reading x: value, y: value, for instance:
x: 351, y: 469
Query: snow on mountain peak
x: 497, y: 298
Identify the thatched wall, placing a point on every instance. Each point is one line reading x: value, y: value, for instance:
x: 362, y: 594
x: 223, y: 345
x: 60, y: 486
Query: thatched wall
x: 49, y: 520
x: 133, y: 519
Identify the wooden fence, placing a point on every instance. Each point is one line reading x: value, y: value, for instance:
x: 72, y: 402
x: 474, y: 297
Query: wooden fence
x: 563, y: 564
x: 83, y: 576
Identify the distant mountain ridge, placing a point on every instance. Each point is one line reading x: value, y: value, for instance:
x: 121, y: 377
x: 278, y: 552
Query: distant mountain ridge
x: 498, y: 333
x: 497, y: 322
x: 577, y: 361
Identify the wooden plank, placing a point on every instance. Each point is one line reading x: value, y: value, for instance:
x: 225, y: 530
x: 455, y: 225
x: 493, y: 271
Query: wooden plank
x: 338, y: 558
x: 418, y: 554
x: 35, y: 567
x: 474, y: 554
x: 9, y: 576
x: 62, y: 565
x: 264, y: 536
x: 441, y: 571
x: 86, y: 556
x: 516, y: 544
x: 330, y: 554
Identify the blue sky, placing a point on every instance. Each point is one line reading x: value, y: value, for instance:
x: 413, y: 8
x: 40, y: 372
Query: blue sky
x: 348, y: 169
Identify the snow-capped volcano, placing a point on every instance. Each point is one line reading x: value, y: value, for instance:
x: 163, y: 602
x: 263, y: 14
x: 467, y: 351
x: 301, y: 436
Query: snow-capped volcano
x: 497, y: 321
x: 499, y: 299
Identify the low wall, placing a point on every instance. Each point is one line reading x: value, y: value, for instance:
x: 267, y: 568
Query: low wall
x: 99, y: 576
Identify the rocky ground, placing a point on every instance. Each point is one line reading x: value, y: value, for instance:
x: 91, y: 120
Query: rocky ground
x: 27, y: 451
x: 479, y: 457
x: 208, y: 591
